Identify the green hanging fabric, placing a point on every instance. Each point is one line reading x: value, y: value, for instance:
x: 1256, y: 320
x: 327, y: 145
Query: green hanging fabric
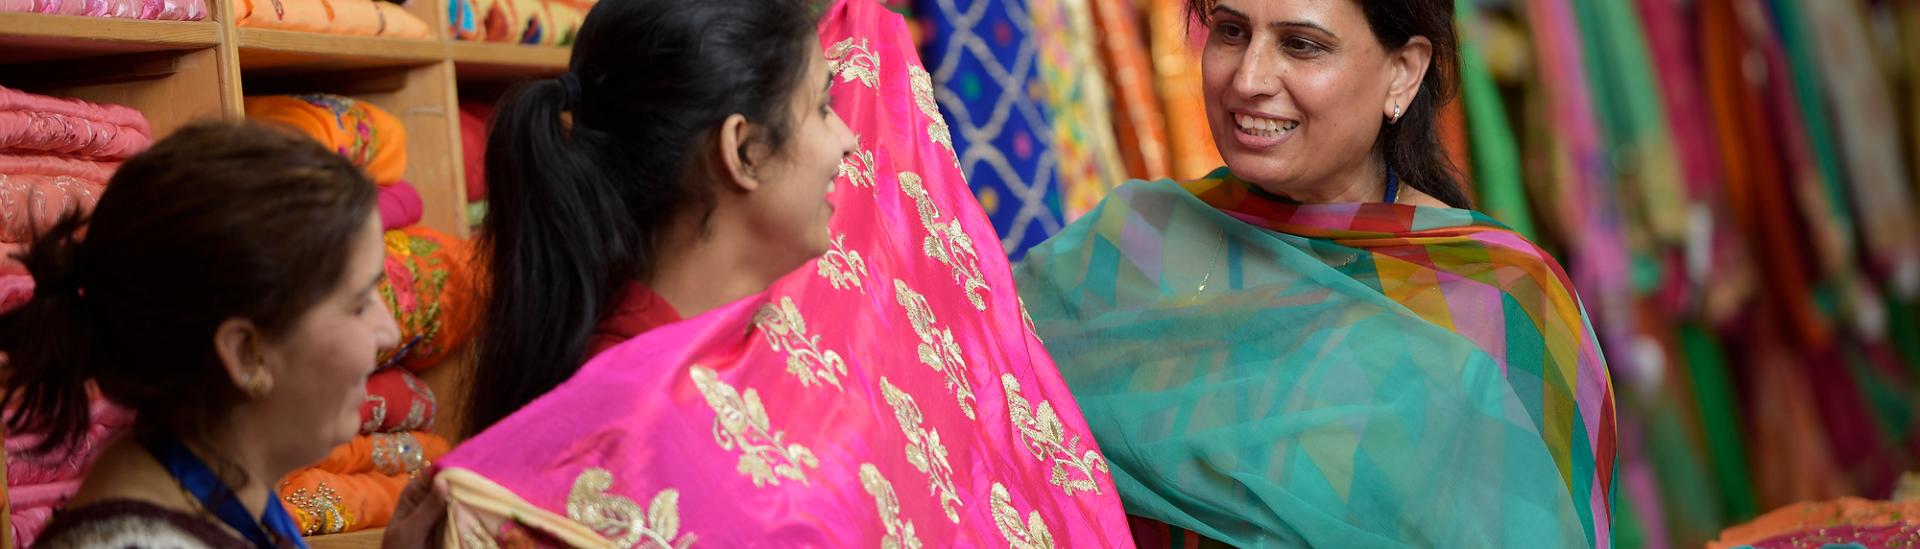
x: 1496, y: 156
x: 1626, y: 92
x: 1719, y: 421
x: 1791, y: 25
x: 1904, y: 330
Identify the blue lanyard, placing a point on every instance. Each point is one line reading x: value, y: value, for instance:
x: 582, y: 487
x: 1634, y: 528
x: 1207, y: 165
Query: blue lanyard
x: 1393, y: 186
x: 213, y: 493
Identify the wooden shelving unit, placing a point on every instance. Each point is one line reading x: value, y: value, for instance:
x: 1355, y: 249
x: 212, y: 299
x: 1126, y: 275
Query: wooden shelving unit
x: 178, y: 72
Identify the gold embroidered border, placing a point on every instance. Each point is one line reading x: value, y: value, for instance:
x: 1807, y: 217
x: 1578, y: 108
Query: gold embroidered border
x: 741, y: 421
x: 787, y: 332
x: 1046, y: 439
x: 620, y: 519
x: 843, y: 268
x: 937, y: 349
x: 1032, y: 535
x: 924, y: 449
x: 947, y: 242
x: 900, y: 533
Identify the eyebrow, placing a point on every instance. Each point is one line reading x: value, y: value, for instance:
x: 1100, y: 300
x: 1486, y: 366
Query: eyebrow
x: 1276, y: 24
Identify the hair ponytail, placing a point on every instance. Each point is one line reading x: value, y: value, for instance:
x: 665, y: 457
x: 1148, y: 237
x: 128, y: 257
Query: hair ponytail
x: 585, y: 172
x: 558, y: 240
x: 49, y: 342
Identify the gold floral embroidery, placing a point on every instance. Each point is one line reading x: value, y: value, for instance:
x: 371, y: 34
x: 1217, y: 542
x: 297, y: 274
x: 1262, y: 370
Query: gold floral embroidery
x: 947, y: 242
x: 398, y: 454
x: 787, y: 332
x: 899, y: 530
x: 1032, y: 535
x: 1046, y: 439
x: 378, y: 416
x: 937, y: 129
x: 858, y: 167
x: 621, y: 520
x: 742, y: 422
x: 854, y: 61
x: 843, y: 268
x: 924, y: 449
x: 1028, y: 319
x: 937, y: 349
x: 320, y: 511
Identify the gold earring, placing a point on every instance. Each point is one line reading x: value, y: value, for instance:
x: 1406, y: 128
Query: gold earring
x: 257, y: 384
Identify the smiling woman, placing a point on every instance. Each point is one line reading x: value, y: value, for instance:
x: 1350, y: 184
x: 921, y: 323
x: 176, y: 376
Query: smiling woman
x: 1319, y: 343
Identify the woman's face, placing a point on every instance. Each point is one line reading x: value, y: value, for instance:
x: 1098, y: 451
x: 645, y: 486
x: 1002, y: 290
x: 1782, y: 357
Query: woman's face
x: 1296, y: 91
x: 792, y: 209
x: 320, y: 366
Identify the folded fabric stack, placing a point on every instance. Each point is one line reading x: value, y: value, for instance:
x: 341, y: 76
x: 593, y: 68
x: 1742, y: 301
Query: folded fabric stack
x: 158, y: 10
x: 56, y: 155
x: 545, y: 22
x: 1844, y: 522
x: 352, y: 17
x: 429, y: 290
x: 474, y: 118
x: 39, y: 484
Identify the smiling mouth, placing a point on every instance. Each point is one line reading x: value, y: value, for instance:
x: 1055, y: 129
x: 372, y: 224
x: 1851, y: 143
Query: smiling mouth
x: 1264, y: 127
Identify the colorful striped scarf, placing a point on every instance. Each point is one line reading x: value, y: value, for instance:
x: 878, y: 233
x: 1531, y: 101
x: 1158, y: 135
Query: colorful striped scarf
x: 1261, y: 372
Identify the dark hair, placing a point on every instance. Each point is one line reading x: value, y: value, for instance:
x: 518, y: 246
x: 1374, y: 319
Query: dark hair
x: 1411, y: 147
x: 578, y: 207
x: 217, y: 221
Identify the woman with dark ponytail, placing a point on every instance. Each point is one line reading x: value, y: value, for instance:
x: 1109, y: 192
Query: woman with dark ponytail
x: 681, y: 163
x: 224, y: 292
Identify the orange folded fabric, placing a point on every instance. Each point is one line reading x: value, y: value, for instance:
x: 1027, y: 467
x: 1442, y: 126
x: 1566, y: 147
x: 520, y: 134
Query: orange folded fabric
x: 298, y: 15
x: 397, y: 22
x: 566, y: 18
x: 333, y: 503
x: 373, y: 139
x: 403, y: 454
x: 429, y: 289
x: 1829, y: 517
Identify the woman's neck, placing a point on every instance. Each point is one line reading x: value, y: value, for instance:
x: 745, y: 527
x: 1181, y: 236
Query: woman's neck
x: 698, y: 272
x: 1366, y: 182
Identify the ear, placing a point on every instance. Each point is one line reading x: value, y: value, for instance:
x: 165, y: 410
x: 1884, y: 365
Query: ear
x: 1409, y: 65
x: 238, y: 344
x: 739, y: 164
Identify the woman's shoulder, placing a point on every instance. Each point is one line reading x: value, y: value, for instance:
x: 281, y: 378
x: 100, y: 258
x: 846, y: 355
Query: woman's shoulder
x: 128, y: 523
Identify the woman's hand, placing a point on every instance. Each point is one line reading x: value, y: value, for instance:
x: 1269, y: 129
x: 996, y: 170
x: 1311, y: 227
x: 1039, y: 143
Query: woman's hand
x: 420, y: 519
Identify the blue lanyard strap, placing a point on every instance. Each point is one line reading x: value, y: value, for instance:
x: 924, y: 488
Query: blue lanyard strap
x: 213, y: 493
x: 1393, y: 186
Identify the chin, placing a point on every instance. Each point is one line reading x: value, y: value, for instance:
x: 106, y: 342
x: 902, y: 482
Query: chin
x: 1265, y: 172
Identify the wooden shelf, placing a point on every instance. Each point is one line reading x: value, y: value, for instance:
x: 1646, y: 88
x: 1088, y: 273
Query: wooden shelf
x: 29, y: 37
x: 488, y: 61
x: 369, y: 539
x: 293, y: 51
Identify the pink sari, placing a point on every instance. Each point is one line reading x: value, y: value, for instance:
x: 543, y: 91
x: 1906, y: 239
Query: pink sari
x: 890, y: 394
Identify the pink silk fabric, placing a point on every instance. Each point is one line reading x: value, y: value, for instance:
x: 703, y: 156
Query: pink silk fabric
x: 888, y: 394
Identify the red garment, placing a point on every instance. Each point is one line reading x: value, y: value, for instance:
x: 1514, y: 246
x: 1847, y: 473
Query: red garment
x: 473, y: 146
x: 400, y: 206
x: 637, y: 310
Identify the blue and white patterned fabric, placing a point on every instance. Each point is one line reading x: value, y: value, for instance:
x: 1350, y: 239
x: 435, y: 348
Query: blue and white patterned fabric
x: 986, y: 77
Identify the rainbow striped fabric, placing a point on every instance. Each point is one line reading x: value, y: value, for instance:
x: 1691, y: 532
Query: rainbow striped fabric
x: 1264, y: 372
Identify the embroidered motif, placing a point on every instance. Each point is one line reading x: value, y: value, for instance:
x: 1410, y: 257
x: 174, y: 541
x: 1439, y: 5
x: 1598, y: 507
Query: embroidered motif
x: 1046, y: 439
x: 899, y: 530
x: 416, y: 279
x: 1028, y: 319
x: 787, y: 332
x: 843, y: 268
x: 398, y: 454
x: 1032, y: 535
x: 417, y: 418
x: 924, y: 449
x: 621, y: 520
x: 947, y: 242
x: 742, y: 422
x: 379, y: 415
x: 922, y: 85
x: 937, y: 349
x: 854, y: 62
x: 319, y: 512
x: 858, y: 167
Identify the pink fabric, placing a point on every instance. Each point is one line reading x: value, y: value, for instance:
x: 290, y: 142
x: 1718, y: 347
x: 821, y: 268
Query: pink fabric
x: 28, y: 522
x: 15, y: 290
x: 400, y: 206
x: 892, y: 389
x: 37, y: 124
x: 36, y: 485
x: 473, y: 146
x: 30, y: 204
x: 161, y: 10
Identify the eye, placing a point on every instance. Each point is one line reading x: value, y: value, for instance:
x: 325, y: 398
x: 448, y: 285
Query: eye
x: 1231, y: 32
x: 1301, y: 46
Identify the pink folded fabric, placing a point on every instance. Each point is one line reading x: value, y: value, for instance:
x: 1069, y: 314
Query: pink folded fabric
x: 159, y: 10
x: 473, y: 146
x: 30, y: 204
x: 28, y: 522
x: 55, y: 166
x: 15, y: 290
x: 24, y: 469
x: 38, y: 124
x: 400, y: 206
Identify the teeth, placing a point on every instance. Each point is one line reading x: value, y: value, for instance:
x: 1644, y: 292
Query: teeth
x: 1264, y: 126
